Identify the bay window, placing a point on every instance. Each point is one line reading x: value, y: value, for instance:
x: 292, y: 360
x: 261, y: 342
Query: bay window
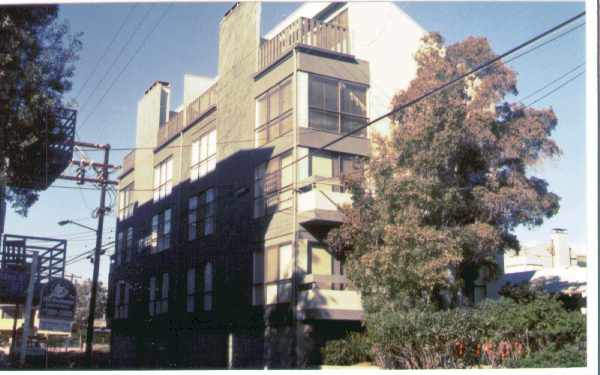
x: 336, y: 106
x: 274, y: 113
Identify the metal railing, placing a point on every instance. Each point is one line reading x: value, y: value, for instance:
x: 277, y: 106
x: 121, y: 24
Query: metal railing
x: 303, y: 31
x: 188, y: 115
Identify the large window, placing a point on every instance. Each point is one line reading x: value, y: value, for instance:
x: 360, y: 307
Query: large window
x: 126, y: 203
x: 161, y: 231
x: 201, y: 214
x: 158, y: 303
x: 327, y: 164
x: 119, y: 248
x: 336, y: 106
x: 122, y: 291
x: 204, y: 155
x: 163, y: 176
x: 129, y: 245
x: 272, y: 275
x: 273, y: 185
x: 274, y: 113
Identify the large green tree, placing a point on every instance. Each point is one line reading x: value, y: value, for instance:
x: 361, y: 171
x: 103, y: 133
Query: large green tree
x: 82, y: 306
x: 37, y: 53
x: 446, y: 189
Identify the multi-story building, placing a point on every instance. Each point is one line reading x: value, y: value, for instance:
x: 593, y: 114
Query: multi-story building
x: 224, y: 204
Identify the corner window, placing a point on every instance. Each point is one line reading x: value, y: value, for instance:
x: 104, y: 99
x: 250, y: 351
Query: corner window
x: 274, y: 113
x: 272, y: 274
x: 204, y: 155
x: 336, y: 106
x: 273, y: 185
x: 163, y: 176
x: 328, y: 164
x: 202, y: 214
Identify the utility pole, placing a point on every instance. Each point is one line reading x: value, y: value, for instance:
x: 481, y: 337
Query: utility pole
x: 103, y: 170
x: 27, y: 319
x: 91, y: 315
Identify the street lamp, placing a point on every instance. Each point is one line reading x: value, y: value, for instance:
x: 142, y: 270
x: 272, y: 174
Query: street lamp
x: 92, y: 308
x: 65, y: 222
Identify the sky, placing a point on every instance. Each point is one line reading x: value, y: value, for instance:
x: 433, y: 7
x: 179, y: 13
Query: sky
x: 164, y: 41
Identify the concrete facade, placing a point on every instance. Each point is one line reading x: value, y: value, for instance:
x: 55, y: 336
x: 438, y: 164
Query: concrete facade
x: 253, y: 285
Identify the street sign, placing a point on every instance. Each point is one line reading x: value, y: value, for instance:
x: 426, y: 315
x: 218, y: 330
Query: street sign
x: 57, y: 306
x: 13, y: 285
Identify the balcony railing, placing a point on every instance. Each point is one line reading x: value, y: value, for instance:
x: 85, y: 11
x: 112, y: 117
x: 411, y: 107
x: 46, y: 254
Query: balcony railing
x: 128, y: 162
x: 188, y: 115
x: 303, y: 31
x: 316, y: 199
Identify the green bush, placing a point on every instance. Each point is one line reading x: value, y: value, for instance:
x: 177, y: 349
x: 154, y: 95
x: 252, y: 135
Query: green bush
x: 570, y: 355
x: 352, y: 349
x: 493, y: 333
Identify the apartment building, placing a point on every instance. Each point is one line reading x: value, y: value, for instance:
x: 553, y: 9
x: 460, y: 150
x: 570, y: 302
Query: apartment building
x: 225, y: 203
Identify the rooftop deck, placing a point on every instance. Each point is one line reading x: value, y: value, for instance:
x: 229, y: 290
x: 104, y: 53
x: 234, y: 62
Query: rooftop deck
x: 304, y: 31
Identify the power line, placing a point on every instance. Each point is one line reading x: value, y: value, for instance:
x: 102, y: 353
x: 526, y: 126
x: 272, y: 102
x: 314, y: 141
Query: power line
x: 551, y: 82
x: 556, y: 88
x: 119, y: 54
x: 157, y: 23
x: 125, y: 19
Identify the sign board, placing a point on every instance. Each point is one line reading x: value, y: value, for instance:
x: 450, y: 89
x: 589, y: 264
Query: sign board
x: 57, y: 306
x: 13, y: 285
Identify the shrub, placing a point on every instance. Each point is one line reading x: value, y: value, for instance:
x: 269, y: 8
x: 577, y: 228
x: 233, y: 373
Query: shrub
x: 352, y: 349
x: 493, y: 332
x: 570, y: 355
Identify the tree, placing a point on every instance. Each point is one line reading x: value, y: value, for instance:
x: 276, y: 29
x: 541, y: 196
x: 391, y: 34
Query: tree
x: 83, y: 304
x: 446, y: 189
x: 37, y: 53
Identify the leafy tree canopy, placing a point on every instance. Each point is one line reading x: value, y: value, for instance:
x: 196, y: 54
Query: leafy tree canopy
x: 446, y: 189
x: 37, y: 53
x: 83, y: 304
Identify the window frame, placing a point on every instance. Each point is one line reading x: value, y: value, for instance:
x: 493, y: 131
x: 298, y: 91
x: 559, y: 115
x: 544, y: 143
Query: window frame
x: 163, y: 188
x: 339, y: 113
x: 266, y: 197
x: 282, y: 283
x: 126, y: 203
x: 283, y: 114
x: 207, y: 208
x: 160, y: 237
x: 210, y: 161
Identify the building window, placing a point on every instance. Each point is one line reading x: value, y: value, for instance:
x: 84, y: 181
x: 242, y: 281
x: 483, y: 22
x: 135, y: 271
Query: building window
x: 204, y: 155
x: 159, y: 304
x: 161, y: 231
x: 119, y: 248
x: 274, y: 113
x: 191, y: 290
x: 207, y: 294
x: 122, y: 291
x: 126, y: 203
x: 273, y: 185
x: 272, y: 275
x: 336, y: 106
x: 163, y: 176
x: 202, y: 214
x: 129, y: 248
x: 327, y: 164
x: 321, y: 260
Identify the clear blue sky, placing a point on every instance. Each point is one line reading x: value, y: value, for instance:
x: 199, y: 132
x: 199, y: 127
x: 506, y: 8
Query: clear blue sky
x: 186, y: 42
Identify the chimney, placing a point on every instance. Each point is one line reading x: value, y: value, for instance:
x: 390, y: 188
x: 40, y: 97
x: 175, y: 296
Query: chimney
x: 562, y: 254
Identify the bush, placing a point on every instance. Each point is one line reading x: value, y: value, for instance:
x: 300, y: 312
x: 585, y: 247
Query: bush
x: 352, y: 349
x: 570, y: 355
x: 493, y: 332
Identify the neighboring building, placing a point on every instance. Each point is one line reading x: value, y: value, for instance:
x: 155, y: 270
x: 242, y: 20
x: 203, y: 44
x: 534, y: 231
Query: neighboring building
x: 224, y: 204
x: 556, y: 267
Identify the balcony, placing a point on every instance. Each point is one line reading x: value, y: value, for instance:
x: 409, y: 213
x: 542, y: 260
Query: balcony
x: 128, y: 163
x: 188, y: 115
x: 321, y: 303
x: 305, y: 31
x: 320, y: 206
